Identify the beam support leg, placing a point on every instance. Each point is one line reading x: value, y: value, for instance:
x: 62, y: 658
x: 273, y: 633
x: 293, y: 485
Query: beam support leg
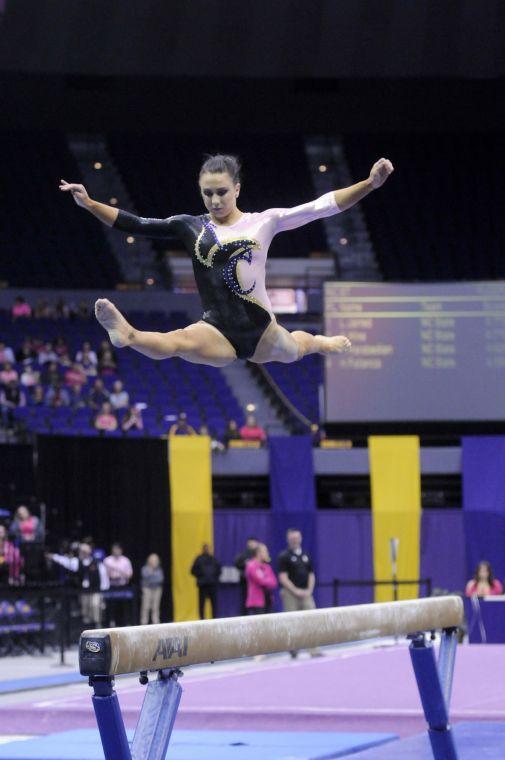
x: 434, y: 683
x: 157, y: 716
x: 109, y: 719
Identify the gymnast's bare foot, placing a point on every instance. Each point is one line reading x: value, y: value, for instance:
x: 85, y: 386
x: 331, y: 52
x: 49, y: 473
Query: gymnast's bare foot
x: 120, y: 332
x: 335, y: 344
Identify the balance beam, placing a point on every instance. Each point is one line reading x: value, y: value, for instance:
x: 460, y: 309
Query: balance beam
x: 116, y: 651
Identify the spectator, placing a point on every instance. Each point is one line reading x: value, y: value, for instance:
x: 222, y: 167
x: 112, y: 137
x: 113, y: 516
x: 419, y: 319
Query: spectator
x: 26, y: 354
x: 104, y: 347
x: 152, y: 588
x: 10, y: 559
x: 47, y: 354
x: 251, y: 431
x: 240, y: 563
x: 261, y: 582
x: 483, y: 582
x: 12, y: 397
x: 77, y: 400
x: 26, y: 528
x: 65, y: 360
x: 120, y: 572
x: 297, y: 579
x: 60, y: 347
x: 38, y: 397
x: 86, y: 352
x: 51, y: 374
x: 181, y: 427
x: 215, y: 445
x: 92, y: 578
x: 57, y: 396
x: 8, y: 374
x: 98, y: 395
x: 62, y: 309
x: 106, y: 419
x: 43, y: 309
x: 206, y: 570
x: 83, y: 310
x: 6, y: 354
x: 231, y: 433
x: 132, y: 419
x: 75, y: 376
x: 107, y: 364
x: 21, y: 309
x: 119, y: 398
x: 29, y: 377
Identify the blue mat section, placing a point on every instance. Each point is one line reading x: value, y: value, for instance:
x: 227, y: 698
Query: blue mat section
x: 41, y: 682
x: 474, y: 741
x: 204, y: 745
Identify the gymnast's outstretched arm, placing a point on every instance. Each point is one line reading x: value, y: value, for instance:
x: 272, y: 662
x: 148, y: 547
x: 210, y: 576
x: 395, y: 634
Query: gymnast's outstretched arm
x: 114, y: 217
x: 333, y: 202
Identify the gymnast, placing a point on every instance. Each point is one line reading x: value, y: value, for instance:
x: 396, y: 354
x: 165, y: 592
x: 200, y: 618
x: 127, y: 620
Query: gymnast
x: 228, y: 248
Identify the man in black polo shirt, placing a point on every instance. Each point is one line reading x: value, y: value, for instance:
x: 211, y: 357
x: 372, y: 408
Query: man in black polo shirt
x: 296, y: 578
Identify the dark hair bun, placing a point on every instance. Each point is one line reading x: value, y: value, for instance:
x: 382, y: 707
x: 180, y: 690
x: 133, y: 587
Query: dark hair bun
x: 220, y: 163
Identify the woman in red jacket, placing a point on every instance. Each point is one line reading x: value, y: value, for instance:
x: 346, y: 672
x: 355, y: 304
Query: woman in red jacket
x: 261, y: 582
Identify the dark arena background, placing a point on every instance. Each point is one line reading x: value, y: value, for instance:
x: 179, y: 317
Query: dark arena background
x: 136, y: 491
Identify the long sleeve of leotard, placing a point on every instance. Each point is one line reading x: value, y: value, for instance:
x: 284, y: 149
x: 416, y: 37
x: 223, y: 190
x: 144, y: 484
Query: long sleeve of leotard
x: 141, y: 225
x: 291, y: 218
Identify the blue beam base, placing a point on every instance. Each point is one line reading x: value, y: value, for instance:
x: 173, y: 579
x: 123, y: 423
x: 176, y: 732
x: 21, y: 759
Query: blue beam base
x: 110, y: 721
x: 157, y: 717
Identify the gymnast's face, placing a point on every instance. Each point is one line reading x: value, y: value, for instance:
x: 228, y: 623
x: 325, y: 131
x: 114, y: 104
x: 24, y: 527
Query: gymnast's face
x: 219, y: 194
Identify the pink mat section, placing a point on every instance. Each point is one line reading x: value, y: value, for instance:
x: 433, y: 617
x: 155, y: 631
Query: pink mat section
x: 347, y: 690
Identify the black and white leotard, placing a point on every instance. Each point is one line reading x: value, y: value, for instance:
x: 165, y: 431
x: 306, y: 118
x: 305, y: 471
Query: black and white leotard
x: 229, y: 262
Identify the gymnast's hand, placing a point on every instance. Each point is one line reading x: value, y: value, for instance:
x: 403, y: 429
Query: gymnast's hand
x: 380, y: 172
x: 79, y: 193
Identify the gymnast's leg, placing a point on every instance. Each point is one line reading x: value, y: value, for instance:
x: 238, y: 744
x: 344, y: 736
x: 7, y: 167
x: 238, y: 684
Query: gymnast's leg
x: 279, y: 345
x: 199, y: 343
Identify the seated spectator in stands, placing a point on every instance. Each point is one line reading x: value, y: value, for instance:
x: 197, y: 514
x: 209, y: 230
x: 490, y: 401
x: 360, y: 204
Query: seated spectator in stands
x: 37, y: 397
x: 21, y: 309
x: 47, y: 354
x: 65, y: 360
x: 11, y: 396
x: 107, y: 364
x: 215, y: 445
x: 483, y: 582
x: 83, y: 310
x: 152, y: 588
x: 8, y: 374
x: 120, y: 572
x: 232, y: 433
x: 43, y: 309
x: 60, y: 347
x: 181, y: 427
x: 132, y: 419
x: 6, y: 354
x: 29, y: 377
x: 206, y: 569
x: 26, y: 528
x: 75, y: 376
x: 57, y: 396
x: 10, y: 559
x: 92, y: 579
x: 261, y: 582
x: 119, y: 398
x: 26, y: 354
x: 104, y: 346
x: 98, y: 395
x: 37, y: 344
x: 62, y: 309
x: 77, y: 400
x: 86, y: 352
x: 251, y: 431
x: 51, y: 374
x: 106, y: 419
